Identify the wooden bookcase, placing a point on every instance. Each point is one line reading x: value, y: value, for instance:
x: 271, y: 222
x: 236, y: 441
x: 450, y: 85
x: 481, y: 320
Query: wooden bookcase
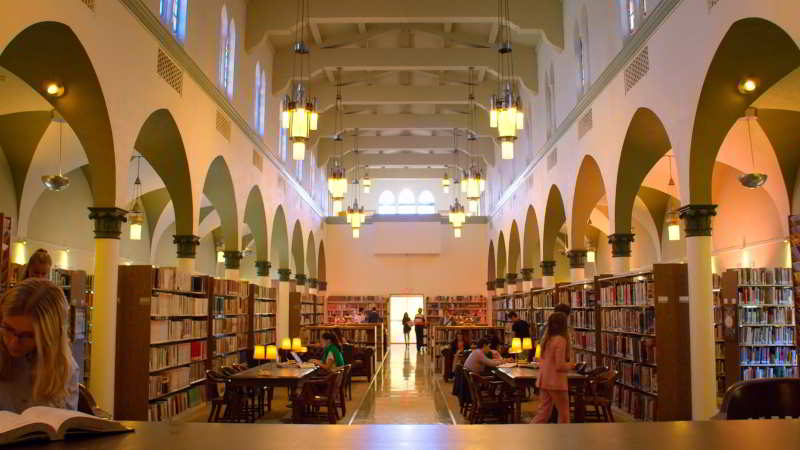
x: 162, y: 342
x: 759, y: 324
x: 229, y: 322
x: 644, y: 324
x: 719, y: 335
x: 444, y: 335
x: 522, y: 304
x: 361, y: 335
x: 263, y: 308
x: 584, y: 299
x: 75, y: 284
x: 342, y: 309
x: 543, y: 302
x: 319, y: 309
x: 467, y: 307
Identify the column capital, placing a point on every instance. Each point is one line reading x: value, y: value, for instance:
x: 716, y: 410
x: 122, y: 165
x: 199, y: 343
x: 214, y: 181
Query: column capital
x: 620, y: 244
x: 511, y: 278
x: 232, y: 259
x: 313, y: 283
x: 107, y: 222
x: 490, y: 285
x: 500, y: 283
x: 187, y: 245
x: 577, y: 259
x: 300, y: 279
x: 527, y: 274
x: 322, y: 286
x: 262, y: 268
x: 548, y: 268
x: 283, y: 274
x: 697, y: 219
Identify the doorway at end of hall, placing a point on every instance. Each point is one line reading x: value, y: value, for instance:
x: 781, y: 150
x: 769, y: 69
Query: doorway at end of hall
x: 399, y: 305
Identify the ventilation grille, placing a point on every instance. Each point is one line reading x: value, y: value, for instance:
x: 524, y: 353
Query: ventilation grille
x: 585, y: 124
x: 89, y: 4
x: 712, y: 3
x: 169, y: 72
x: 223, y: 125
x: 637, y: 69
x: 258, y: 161
x: 552, y: 159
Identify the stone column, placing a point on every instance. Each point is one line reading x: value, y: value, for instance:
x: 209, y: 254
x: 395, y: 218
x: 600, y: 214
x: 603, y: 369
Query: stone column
x: 282, y: 306
x: 577, y: 265
x: 322, y: 288
x: 697, y: 226
x: 107, y: 230
x: 527, y: 279
x: 548, y: 274
x: 187, y: 250
x: 232, y: 260
x: 511, y: 283
x: 500, y: 286
x: 620, y: 252
x: 262, y: 272
x: 312, y: 286
x: 490, y: 291
x: 301, y: 283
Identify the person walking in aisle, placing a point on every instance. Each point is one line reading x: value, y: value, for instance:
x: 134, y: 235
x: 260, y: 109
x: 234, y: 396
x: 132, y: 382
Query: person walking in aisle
x: 553, y: 369
x: 406, y: 328
x: 373, y: 316
x: 419, y: 329
x: 359, y: 316
x: 39, y: 265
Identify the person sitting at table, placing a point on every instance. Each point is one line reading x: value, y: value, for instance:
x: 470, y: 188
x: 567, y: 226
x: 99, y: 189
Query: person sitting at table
x: 331, y: 353
x: 553, y: 369
x: 457, y: 349
x: 480, y: 360
x: 36, y: 363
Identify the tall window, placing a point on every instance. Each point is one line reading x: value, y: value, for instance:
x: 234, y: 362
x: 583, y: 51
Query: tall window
x: 406, y: 203
x: 582, y: 51
x: 630, y: 11
x: 173, y: 16
x: 312, y: 169
x: 227, y: 52
x: 298, y: 169
x: 635, y: 11
x: 283, y: 143
x: 426, y: 204
x: 386, y: 203
x: 260, y: 99
x: 550, y: 100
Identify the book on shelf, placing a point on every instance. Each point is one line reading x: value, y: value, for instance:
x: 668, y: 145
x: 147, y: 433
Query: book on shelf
x: 43, y: 423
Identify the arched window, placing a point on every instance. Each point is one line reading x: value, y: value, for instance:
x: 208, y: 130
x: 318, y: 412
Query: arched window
x: 550, y: 100
x: 406, y: 203
x: 173, y: 16
x: 386, y: 203
x: 260, y: 99
x: 426, y: 204
x: 283, y: 143
x: 582, y: 51
x: 227, y: 57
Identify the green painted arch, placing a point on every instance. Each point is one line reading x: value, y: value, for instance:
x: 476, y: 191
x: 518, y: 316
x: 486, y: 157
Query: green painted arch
x: 554, y: 219
x: 20, y: 134
x: 658, y: 204
x: 532, y: 250
x: 492, y: 272
x: 255, y: 217
x: 321, y: 269
x: 781, y: 127
x: 154, y: 203
x: 502, y: 256
x: 50, y: 50
x: 298, y: 255
x: 160, y: 143
x: 589, y: 189
x: 514, y: 249
x: 752, y: 47
x: 279, y: 246
x: 645, y: 143
x: 218, y: 188
x: 311, y: 256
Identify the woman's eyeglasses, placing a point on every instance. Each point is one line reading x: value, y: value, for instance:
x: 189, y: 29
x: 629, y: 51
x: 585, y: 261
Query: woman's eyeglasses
x: 25, y: 337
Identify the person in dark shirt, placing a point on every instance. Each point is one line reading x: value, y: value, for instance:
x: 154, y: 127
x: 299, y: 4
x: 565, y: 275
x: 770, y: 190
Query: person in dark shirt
x: 373, y: 317
x: 520, y: 327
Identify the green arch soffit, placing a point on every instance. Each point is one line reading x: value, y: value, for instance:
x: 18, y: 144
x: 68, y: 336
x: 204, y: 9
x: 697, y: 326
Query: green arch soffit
x: 554, y: 219
x: 256, y: 219
x: 279, y: 247
x: 218, y: 189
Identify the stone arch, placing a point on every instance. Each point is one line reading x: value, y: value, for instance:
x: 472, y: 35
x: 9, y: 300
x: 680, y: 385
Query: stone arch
x: 298, y: 255
x: 220, y: 192
x: 492, y: 273
x: 514, y: 249
x: 532, y: 252
x: 279, y: 246
x: 311, y: 256
x: 255, y: 218
x: 589, y: 189
x: 502, y: 256
x: 554, y: 219
x: 321, y: 270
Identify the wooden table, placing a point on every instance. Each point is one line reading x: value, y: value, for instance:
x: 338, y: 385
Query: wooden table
x: 523, y: 377
x: 270, y: 375
x: 716, y: 435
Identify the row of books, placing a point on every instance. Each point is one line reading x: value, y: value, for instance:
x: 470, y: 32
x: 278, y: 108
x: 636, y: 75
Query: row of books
x: 447, y: 335
x: 767, y: 336
x: 229, y: 344
x: 173, y: 405
x: 583, y: 319
x: 379, y: 300
x: 639, y: 292
x: 450, y: 299
x: 266, y: 337
x: 231, y: 287
x: 165, y: 304
x: 516, y: 302
x: 307, y: 308
x: 164, y: 356
x: 172, y: 279
x: 760, y: 295
x: 638, y: 376
x: 260, y: 307
x: 721, y: 372
x: 776, y: 275
x: 578, y: 298
x: 719, y: 350
x: 263, y: 322
x: 640, y: 406
x: 752, y: 373
x: 229, y: 325
x: 634, y: 348
x: 584, y: 340
x: 223, y: 305
x: 162, y: 330
x: 263, y: 292
x: 169, y: 381
x: 590, y: 359
x: 768, y: 355
x: 226, y: 360
x: 764, y: 316
x: 544, y: 298
x: 633, y: 320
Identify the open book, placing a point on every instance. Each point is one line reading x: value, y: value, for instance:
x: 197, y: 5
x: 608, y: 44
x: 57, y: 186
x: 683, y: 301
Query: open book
x: 41, y: 422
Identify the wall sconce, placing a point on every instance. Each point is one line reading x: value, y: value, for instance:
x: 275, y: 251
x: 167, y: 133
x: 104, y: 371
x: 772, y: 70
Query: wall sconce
x: 54, y: 88
x: 748, y: 85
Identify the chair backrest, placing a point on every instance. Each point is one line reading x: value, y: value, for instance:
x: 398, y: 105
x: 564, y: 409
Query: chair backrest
x: 86, y: 402
x: 227, y: 370
x: 762, y: 399
x: 346, y: 369
x: 348, y: 353
x: 597, y: 371
x: 604, y: 384
x: 472, y: 384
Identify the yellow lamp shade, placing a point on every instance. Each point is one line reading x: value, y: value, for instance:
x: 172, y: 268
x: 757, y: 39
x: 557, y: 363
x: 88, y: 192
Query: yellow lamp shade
x: 457, y: 232
x: 527, y: 343
x: 674, y: 232
x: 284, y: 119
x: 356, y: 233
x: 337, y: 206
x: 516, y: 345
x: 507, y: 150
x: 303, y: 350
x: 590, y: 256
x: 366, y: 189
x: 520, y: 120
x: 493, y: 118
x: 259, y: 352
x: 538, y: 351
x: 299, y: 121
x: 272, y: 352
x: 314, y: 120
x: 286, y: 344
x: 296, y: 344
x: 299, y: 150
x: 136, y: 232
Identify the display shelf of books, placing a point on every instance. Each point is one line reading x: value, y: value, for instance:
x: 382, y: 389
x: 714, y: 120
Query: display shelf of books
x: 76, y: 287
x: 5, y: 252
x: 262, y: 317
x: 520, y: 303
x: 229, y: 322
x: 584, y: 298
x: 162, y: 342
x: 456, y: 308
x: 719, y: 337
x: 759, y: 324
x: 638, y: 310
x: 319, y: 309
x: 344, y: 309
x: 445, y: 334
x: 361, y: 335
x: 543, y: 302
x: 308, y: 312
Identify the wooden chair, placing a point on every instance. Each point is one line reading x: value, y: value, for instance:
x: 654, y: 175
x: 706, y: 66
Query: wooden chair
x: 488, y: 401
x: 761, y: 399
x: 600, y: 395
x: 342, y: 398
x: 88, y: 405
x: 316, y: 394
x: 214, y: 378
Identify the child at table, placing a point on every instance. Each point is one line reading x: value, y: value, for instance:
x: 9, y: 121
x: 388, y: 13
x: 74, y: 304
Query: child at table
x: 553, y: 369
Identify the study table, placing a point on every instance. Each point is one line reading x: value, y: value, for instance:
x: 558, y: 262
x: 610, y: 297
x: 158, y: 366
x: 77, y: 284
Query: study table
x: 521, y: 378
x: 269, y: 375
x: 712, y: 435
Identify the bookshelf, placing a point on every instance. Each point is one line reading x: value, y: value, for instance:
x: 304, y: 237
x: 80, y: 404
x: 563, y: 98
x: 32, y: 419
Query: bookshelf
x: 543, y: 302
x: 443, y: 335
x: 319, y: 309
x: 361, y: 335
x: 521, y: 303
x: 78, y: 293
x: 637, y: 311
x: 458, y: 308
x: 719, y: 337
x: 262, y: 317
x: 229, y: 322
x: 584, y: 320
x: 162, y: 342
x: 759, y: 324
x: 342, y: 309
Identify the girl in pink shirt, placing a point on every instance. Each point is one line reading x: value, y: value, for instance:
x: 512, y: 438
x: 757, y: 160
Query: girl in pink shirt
x: 553, y: 369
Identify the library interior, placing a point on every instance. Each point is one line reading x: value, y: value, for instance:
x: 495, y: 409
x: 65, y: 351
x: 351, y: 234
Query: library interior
x: 400, y: 223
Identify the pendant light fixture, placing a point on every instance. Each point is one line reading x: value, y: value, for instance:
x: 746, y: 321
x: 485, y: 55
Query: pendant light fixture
x: 506, y: 113
x: 57, y: 182
x: 337, y: 176
x: 671, y: 181
x: 355, y: 213
x: 474, y: 182
x: 299, y: 109
x: 136, y: 215
x: 366, y: 183
x: 754, y: 179
x: 446, y: 182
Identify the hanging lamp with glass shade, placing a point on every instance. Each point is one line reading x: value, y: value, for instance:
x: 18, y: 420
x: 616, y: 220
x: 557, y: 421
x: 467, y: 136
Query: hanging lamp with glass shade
x: 57, y: 182
x: 355, y: 213
x: 506, y: 113
x: 337, y: 176
x: 753, y: 179
x: 473, y: 183
x: 135, y: 214
x: 299, y: 114
x: 366, y: 183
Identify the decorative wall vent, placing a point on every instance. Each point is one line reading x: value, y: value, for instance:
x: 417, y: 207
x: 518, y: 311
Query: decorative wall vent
x: 169, y: 72
x: 585, y: 124
x: 223, y: 125
x: 637, y: 69
x: 712, y: 3
x: 552, y: 159
x: 89, y: 4
x: 530, y: 182
x: 258, y: 160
